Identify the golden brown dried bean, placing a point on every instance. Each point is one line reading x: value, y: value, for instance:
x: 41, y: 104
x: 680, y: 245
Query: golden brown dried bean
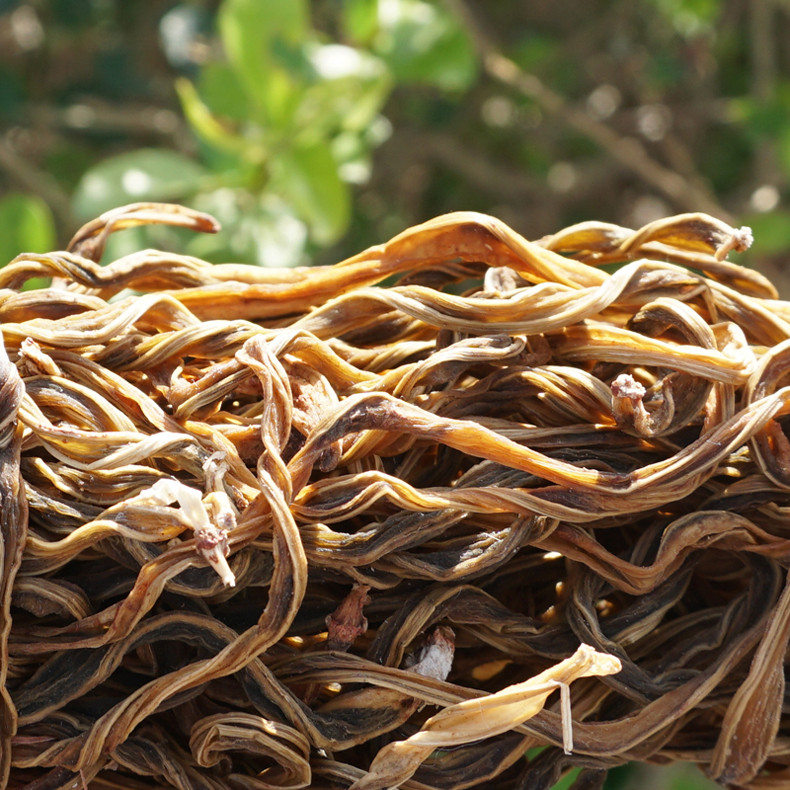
x: 432, y: 477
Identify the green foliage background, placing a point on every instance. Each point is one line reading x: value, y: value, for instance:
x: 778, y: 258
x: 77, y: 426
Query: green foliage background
x: 313, y: 129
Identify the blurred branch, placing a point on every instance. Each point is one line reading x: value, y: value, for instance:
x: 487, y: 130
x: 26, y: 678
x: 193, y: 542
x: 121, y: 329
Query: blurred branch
x: 30, y: 179
x: 473, y: 165
x: 485, y: 173
x: 100, y: 117
x: 627, y: 151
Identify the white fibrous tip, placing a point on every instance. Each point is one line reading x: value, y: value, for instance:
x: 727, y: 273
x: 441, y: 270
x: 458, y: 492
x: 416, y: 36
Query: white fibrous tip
x: 626, y: 386
x: 216, y: 463
x: 216, y: 457
x: 739, y: 240
x: 744, y: 238
x: 435, y: 659
x: 162, y: 492
x: 212, y: 544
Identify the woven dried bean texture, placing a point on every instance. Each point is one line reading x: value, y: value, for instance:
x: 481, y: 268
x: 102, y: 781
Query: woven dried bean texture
x: 397, y: 521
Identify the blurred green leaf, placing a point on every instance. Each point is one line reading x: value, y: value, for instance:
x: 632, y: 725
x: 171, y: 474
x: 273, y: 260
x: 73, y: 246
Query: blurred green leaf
x: 567, y: 780
x: 536, y: 51
x: 300, y: 116
x: 349, y: 88
x: 307, y: 178
x: 771, y: 232
x: 423, y: 43
x: 765, y: 117
x: 205, y: 123
x: 352, y: 156
x: 678, y: 776
x: 352, y: 150
x: 277, y: 237
x: 689, y: 17
x: 783, y: 144
x: 687, y: 776
x: 223, y: 92
x: 26, y: 225
x: 249, y: 27
x: 132, y: 240
x: 252, y: 31
x: 265, y: 231
x: 145, y: 174
x: 360, y: 20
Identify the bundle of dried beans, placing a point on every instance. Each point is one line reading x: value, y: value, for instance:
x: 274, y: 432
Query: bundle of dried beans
x: 292, y: 528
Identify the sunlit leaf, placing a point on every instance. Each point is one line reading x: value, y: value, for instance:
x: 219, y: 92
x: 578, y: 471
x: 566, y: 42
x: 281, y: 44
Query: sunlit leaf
x: 784, y: 149
x: 278, y: 237
x: 248, y: 28
x: 766, y: 116
x: 567, y: 781
x: 307, y: 177
x: 348, y: 89
x: 204, y: 122
x: 678, y: 776
x: 223, y: 92
x: 145, y: 174
x: 26, y: 225
x: 771, y: 231
x: 353, y: 158
x: 423, y: 43
x: 252, y: 31
x: 689, y: 17
x: 266, y: 231
x: 180, y: 30
x: 360, y: 19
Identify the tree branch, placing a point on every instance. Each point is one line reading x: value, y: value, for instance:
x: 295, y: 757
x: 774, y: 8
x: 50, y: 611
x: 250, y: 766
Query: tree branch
x: 627, y: 151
